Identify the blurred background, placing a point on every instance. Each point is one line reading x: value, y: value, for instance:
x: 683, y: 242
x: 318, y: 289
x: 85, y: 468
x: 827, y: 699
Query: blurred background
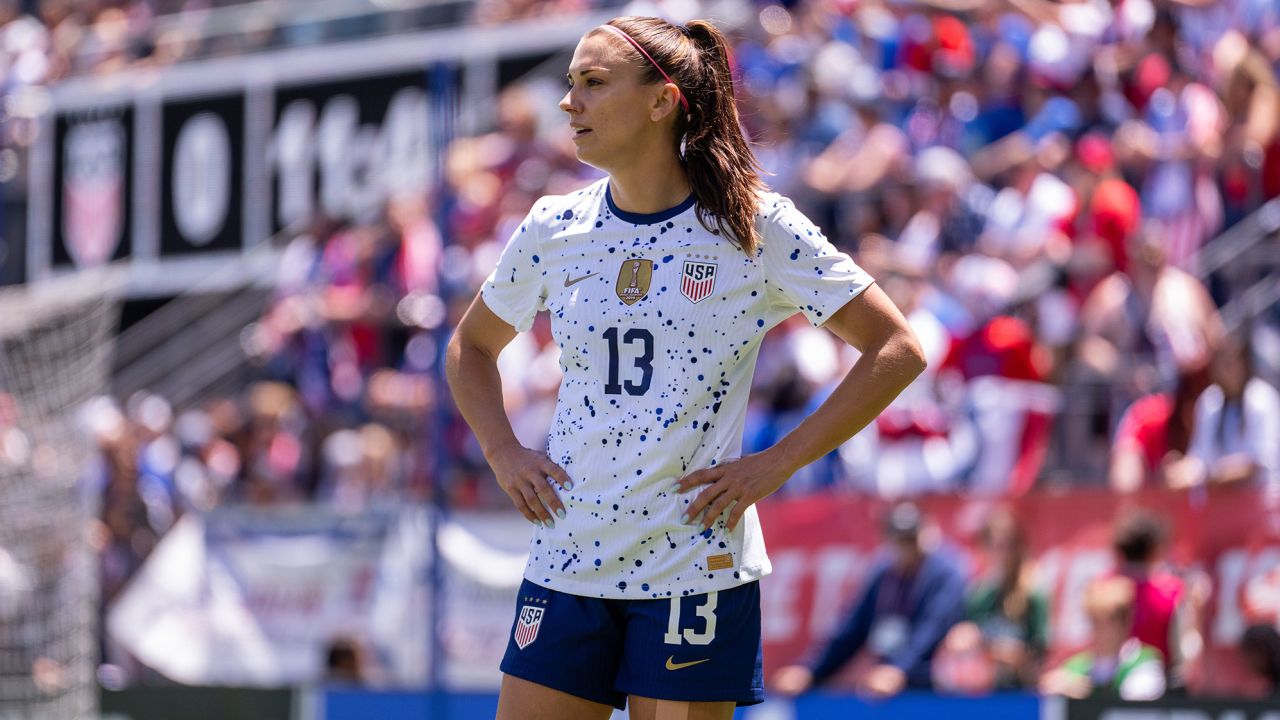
x: 235, y: 236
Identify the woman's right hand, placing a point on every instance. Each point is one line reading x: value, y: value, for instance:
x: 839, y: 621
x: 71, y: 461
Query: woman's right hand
x: 526, y: 477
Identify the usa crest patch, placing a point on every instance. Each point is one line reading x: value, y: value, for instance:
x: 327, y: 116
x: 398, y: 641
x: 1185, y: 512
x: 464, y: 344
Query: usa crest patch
x: 527, y: 625
x: 698, y: 280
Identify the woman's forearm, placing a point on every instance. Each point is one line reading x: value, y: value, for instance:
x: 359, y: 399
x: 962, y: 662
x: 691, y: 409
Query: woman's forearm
x: 477, y: 393
x: 873, y: 382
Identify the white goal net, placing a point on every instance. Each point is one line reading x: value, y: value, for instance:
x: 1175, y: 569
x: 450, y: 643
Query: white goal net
x: 55, y: 354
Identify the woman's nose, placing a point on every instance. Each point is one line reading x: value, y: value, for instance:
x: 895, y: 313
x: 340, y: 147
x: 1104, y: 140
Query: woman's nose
x: 566, y: 102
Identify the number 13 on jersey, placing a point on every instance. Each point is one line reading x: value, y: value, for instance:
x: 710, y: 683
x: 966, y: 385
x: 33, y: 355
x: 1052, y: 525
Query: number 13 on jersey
x: 643, y: 361
x: 707, y: 612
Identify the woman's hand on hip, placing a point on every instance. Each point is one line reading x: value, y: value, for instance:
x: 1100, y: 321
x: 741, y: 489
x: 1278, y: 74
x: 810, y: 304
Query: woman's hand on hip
x: 739, y: 483
x: 527, y: 477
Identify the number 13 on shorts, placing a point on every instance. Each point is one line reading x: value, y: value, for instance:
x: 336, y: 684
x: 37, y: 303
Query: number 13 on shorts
x: 707, y: 611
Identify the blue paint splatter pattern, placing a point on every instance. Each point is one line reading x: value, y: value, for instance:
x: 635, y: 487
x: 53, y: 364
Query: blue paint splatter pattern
x: 656, y: 387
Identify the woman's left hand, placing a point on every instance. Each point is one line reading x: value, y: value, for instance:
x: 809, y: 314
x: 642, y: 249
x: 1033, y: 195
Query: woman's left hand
x: 739, y: 483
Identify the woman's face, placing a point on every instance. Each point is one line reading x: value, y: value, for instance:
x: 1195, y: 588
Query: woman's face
x: 615, y: 117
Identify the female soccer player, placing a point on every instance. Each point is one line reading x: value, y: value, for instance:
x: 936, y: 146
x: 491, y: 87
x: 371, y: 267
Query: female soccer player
x: 661, y: 281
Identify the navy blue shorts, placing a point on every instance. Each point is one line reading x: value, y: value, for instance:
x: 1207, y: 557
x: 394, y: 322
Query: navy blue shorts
x: 700, y: 648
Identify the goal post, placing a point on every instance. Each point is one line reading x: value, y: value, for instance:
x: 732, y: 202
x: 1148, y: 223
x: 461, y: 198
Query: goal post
x: 55, y: 354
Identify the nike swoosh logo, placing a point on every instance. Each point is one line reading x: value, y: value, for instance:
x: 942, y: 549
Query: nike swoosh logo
x: 568, y: 282
x: 673, y: 665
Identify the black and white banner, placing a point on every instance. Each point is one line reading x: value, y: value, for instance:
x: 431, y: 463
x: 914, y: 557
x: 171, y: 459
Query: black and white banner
x: 181, y: 170
x: 344, y: 148
x: 216, y: 173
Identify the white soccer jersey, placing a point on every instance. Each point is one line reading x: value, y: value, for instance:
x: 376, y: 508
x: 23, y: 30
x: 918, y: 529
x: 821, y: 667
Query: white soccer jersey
x: 659, y: 322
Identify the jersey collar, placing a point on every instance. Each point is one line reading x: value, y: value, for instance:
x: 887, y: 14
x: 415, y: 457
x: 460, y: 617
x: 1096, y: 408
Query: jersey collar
x: 646, y: 218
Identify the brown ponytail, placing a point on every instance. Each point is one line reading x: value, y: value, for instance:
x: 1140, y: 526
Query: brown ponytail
x: 722, y: 170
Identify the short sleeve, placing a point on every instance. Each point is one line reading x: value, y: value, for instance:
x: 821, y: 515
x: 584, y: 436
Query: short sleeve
x: 803, y: 270
x: 515, y: 291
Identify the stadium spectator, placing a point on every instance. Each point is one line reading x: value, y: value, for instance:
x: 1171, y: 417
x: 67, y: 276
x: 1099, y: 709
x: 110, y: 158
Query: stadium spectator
x: 1146, y: 326
x: 911, y: 600
x: 1152, y: 436
x: 124, y: 533
x: 1260, y: 650
x: 1029, y: 217
x: 1116, y: 663
x: 999, y: 370
x: 1237, y: 421
x: 272, y: 447
x: 1165, y: 610
x: 346, y: 662
x: 363, y: 469
x: 1008, y: 618
x: 952, y: 209
x: 1141, y: 332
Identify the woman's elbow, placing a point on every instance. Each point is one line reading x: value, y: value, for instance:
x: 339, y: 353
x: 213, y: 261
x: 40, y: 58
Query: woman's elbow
x: 453, y: 357
x: 913, y: 354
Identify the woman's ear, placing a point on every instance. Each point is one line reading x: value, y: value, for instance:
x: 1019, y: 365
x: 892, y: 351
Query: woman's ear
x: 664, y: 102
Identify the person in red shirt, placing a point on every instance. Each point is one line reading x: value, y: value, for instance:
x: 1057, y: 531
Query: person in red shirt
x: 1004, y: 371
x: 1163, y: 617
x: 1154, y: 433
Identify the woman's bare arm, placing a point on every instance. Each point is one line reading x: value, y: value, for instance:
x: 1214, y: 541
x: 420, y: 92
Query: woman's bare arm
x: 471, y: 365
x: 891, y: 359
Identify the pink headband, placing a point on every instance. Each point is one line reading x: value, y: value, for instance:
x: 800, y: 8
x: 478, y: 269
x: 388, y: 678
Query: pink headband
x: 665, y: 76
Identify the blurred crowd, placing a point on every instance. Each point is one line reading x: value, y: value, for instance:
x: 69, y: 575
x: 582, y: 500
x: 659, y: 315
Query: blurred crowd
x: 47, y: 40
x: 1030, y: 180
x: 923, y: 620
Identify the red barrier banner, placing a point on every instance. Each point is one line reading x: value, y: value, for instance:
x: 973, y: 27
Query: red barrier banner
x: 823, y: 546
